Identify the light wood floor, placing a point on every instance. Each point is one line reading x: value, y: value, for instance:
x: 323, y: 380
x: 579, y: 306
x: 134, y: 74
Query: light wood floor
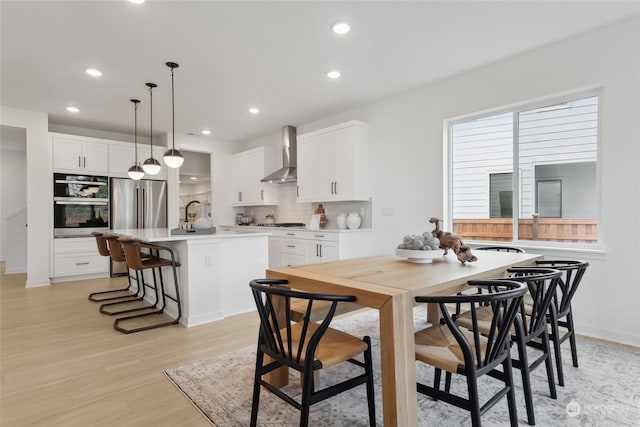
x: 63, y: 364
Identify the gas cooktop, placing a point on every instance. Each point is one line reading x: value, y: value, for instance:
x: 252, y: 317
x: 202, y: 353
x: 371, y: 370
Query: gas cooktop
x: 281, y: 224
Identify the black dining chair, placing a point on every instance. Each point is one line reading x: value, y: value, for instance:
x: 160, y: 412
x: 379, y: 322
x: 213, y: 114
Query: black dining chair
x: 529, y: 328
x: 467, y: 351
x: 305, y: 346
x: 560, y: 313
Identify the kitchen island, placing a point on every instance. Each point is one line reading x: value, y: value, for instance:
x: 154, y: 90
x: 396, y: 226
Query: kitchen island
x: 215, y: 270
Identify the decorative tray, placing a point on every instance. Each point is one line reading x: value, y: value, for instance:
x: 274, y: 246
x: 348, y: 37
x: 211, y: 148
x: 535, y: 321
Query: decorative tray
x: 420, y: 257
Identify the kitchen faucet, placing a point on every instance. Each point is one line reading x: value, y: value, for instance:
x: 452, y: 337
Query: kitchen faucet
x: 186, y: 209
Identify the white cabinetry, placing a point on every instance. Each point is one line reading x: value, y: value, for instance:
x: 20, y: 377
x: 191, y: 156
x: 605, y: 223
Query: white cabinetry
x: 333, y: 163
x: 77, y: 155
x: 77, y: 258
x: 121, y: 158
x: 248, y: 168
x: 310, y: 247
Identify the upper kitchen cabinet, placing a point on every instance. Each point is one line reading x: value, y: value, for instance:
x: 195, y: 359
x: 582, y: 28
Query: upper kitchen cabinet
x: 333, y: 164
x: 77, y: 155
x: 121, y: 158
x: 248, y: 168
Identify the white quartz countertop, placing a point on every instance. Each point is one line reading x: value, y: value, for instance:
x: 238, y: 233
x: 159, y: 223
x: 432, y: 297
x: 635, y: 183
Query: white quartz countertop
x: 164, y: 234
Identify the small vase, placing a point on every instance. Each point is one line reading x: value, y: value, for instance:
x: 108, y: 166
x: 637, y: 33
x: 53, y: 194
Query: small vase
x: 353, y: 220
x: 203, y: 222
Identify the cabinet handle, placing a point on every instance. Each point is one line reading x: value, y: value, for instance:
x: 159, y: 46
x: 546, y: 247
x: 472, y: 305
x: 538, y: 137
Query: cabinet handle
x: 239, y: 196
x: 335, y: 186
x: 318, y: 235
x: 79, y: 161
x: 291, y: 234
x: 261, y: 194
x: 317, y: 250
x: 82, y: 263
x: 84, y: 161
x: 321, y: 255
x: 291, y: 246
x: 297, y: 191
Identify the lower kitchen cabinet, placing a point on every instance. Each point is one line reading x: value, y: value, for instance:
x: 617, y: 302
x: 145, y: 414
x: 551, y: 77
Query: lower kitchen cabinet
x: 294, y: 246
x: 77, y: 258
x: 321, y: 251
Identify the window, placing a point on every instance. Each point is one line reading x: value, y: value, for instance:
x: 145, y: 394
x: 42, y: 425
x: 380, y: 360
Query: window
x: 529, y: 173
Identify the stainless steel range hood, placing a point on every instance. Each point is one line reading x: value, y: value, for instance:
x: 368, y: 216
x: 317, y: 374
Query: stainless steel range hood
x: 288, y: 171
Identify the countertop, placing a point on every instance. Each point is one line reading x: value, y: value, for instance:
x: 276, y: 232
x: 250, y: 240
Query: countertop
x: 164, y: 234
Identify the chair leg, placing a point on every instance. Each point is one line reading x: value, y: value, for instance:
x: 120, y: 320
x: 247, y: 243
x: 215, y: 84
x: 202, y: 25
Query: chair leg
x: 474, y: 402
x: 572, y: 339
x: 447, y: 381
x: 307, y: 392
x: 523, y: 364
x: 255, y: 401
x: 368, y: 366
x: 555, y: 337
x: 546, y: 347
x: 511, y: 394
x: 436, y: 380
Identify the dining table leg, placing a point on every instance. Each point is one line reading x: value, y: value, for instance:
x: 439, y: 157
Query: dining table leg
x: 397, y: 354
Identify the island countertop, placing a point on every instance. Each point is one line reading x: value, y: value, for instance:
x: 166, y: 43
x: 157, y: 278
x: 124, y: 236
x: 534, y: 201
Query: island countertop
x: 164, y: 234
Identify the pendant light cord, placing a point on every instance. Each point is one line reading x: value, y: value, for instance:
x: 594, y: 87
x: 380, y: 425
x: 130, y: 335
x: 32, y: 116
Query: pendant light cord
x: 173, y: 113
x: 151, y: 118
x: 135, y: 129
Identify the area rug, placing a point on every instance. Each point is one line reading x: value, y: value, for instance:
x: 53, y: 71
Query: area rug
x: 603, y: 391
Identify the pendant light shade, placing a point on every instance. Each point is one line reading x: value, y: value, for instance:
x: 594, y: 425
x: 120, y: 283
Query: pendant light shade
x: 173, y: 157
x: 151, y: 165
x: 135, y: 172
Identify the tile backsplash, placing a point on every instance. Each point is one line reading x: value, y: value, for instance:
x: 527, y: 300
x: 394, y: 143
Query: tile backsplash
x: 288, y: 210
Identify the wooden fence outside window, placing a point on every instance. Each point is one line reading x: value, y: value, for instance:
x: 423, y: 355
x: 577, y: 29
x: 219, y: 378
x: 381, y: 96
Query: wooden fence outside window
x: 575, y: 230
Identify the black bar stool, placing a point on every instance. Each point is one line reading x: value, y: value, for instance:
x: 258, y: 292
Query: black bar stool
x: 135, y: 261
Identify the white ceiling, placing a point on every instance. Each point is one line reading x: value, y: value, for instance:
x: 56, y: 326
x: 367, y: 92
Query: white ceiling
x: 274, y: 55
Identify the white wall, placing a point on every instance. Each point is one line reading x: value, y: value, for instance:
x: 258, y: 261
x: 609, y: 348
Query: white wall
x: 13, y: 197
x: 39, y: 191
x: 407, y: 153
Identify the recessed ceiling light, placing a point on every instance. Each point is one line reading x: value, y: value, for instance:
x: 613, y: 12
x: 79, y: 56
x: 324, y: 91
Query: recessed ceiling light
x: 254, y: 110
x: 136, y: 1
x: 193, y: 177
x: 206, y: 132
x: 341, y: 28
x: 333, y: 74
x: 93, y: 72
x: 72, y: 109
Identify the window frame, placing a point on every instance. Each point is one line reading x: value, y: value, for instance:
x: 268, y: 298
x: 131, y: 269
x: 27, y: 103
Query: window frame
x: 515, y: 109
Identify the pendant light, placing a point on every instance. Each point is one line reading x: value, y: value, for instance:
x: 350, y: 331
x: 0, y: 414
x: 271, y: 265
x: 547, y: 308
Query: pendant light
x: 151, y: 165
x: 173, y: 157
x: 135, y: 172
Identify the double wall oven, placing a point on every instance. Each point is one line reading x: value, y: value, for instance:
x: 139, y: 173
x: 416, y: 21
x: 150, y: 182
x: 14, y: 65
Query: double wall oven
x: 80, y: 204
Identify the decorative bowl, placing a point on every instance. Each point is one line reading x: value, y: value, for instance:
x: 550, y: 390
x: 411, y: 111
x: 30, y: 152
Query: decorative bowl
x: 420, y: 257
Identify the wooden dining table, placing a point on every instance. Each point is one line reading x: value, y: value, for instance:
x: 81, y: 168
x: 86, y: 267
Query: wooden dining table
x: 389, y: 284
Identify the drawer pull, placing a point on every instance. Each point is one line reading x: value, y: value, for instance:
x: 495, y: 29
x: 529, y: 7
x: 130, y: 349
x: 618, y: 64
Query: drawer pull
x: 318, y: 235
x: 82, y: 263
x: 291, y: 234
x: 291, y: 246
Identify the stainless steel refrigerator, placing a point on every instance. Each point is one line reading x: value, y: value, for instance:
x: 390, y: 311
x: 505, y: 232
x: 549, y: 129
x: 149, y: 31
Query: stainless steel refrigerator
x: 136, y: 204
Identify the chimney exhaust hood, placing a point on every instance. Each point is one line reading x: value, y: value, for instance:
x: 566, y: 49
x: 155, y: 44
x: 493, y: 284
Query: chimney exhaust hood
x: 288, y: 172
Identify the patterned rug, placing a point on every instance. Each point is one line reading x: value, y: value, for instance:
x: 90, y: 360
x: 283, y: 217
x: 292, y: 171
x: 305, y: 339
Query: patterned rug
x: 603, y: 391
